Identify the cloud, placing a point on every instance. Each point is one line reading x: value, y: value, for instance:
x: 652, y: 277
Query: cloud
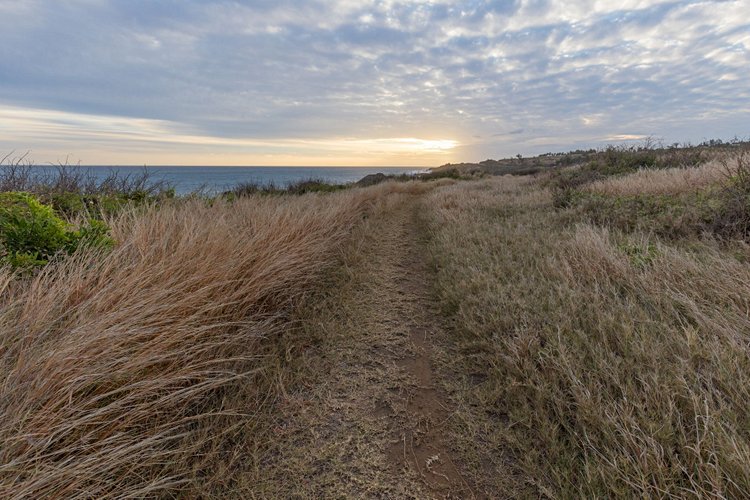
x: 119, y: 136
x: 497, y: 77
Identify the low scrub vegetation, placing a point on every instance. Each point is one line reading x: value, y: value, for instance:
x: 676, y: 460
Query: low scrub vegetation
x: 593, y: 164
x: 322, y: 186
x: 295, y: 188
x: 72, y: 190
x: 677, y: 202
x: 614, y: 162
x: 31, y: 233
x: 667, y: 181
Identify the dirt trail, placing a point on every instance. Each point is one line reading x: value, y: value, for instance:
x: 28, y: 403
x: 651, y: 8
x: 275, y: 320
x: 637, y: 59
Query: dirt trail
x: 371, y: 423
x: 420, y: 444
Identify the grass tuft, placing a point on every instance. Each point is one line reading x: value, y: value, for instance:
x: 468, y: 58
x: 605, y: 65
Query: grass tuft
x: 149, y: 370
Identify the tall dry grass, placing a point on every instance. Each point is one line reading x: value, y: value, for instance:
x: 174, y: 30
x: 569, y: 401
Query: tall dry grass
x: 665, y: 181
x: 147, y: 371
x: 605, y: 364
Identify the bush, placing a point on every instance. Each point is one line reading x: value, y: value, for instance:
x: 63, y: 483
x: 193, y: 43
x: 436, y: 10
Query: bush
x: 618, y: 161
x: 313, y: 186
x: 450, y: 173
x: 31, y: 233
x: 21, y: 174
x: 94, y: 233
x: 69, y: 204
x: 732, y: 218
x: 708, y: 202
x: 304, y: 186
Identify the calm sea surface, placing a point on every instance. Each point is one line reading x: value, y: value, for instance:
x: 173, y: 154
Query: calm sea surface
x: 217, y: 179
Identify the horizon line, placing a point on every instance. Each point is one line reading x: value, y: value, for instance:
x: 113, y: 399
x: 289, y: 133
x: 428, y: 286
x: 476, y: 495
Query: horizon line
x: 73, y: 165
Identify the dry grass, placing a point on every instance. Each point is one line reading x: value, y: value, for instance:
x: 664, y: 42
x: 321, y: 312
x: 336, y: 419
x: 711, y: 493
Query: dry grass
x: 666, y: 181
x: 147, y: 371
x: 607, y: 364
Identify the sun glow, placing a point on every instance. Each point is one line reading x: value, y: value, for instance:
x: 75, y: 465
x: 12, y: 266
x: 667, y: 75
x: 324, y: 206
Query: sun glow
x: 432, y: 146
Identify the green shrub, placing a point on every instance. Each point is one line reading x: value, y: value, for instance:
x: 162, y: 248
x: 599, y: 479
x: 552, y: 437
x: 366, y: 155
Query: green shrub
x: 100, y: 205
x: 24, y: 261
x: 69, y: 204
x: 73, y: 204
x: 313, y: 186
x: 31, y: 233
x: 304, y: 186
x: 450, y: 173
x: 94, y: 233
x: 29, y: 227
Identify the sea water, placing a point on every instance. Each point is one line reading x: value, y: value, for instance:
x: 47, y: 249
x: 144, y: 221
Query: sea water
x: 217, y: 179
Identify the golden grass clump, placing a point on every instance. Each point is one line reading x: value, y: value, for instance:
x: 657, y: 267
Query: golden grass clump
x: 607, y: 364
x: 139, y: 372
x: 665, y: 181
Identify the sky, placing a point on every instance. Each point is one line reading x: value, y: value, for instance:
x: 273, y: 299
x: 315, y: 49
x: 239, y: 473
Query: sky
x: 345, y: 82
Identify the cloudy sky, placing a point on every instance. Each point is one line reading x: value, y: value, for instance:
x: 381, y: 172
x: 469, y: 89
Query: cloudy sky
x: 362, y: 82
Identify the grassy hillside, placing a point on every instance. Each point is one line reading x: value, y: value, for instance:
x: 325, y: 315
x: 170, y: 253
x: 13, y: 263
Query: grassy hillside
x: 578, y: 332
x: 602, y: 328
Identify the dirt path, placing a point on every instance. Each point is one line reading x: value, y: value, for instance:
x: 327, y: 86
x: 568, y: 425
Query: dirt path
x: 371, y: 422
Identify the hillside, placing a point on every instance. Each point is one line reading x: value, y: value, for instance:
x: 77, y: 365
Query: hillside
x: 535, y: 164
x: 578, y: 332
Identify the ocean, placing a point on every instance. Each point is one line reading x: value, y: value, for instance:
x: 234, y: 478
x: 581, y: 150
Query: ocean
x: 217, y: 179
